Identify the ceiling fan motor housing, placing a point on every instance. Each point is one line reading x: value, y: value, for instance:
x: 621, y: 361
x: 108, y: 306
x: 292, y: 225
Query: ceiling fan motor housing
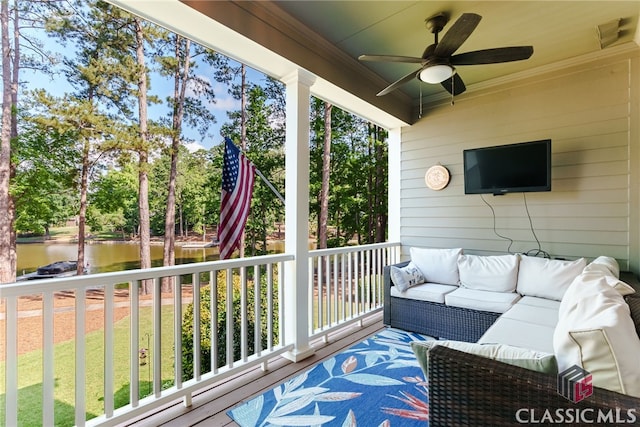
x: 436, y: 23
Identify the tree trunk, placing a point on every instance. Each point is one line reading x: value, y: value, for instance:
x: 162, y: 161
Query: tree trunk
x: 82, y: 215
x: 326, y: 170
x: 179, y: 88
x: 7, y: 207
x: 143, y: 161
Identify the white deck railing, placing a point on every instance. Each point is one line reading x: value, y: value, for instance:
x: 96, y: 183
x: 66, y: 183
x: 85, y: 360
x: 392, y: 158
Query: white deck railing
x: 241, y: 299
x: 346, y: 283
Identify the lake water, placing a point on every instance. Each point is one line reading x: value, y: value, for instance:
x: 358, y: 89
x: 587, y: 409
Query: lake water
x: 103, y: 257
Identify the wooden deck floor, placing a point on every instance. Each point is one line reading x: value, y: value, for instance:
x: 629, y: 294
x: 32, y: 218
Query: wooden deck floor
x: 209, y: 407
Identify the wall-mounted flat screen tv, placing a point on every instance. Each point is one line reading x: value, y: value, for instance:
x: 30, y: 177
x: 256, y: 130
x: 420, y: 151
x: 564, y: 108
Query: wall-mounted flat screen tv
x: 511, y: 168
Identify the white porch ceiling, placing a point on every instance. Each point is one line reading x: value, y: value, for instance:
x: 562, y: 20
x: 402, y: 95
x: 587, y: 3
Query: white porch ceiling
x: 558, y: 31
x: 326, y: 37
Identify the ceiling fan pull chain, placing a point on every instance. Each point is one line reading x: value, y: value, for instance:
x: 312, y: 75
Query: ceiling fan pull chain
x: 420, y: 100
x: 453, y: 88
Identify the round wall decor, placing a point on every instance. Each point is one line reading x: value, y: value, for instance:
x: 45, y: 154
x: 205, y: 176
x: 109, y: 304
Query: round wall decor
x: 437, y: 177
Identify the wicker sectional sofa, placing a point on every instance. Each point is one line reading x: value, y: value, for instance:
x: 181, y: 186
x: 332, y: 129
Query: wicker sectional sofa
x: 435, y: 319
x: 469, y: 389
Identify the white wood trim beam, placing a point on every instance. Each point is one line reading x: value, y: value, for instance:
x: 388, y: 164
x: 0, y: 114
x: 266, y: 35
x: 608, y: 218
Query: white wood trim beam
x: 393, y: 204
x: 296, y: 288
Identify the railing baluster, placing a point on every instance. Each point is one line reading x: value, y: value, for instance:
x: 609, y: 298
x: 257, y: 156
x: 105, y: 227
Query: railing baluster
x: 244, y: 330
x: 313, y: 313
x: 350, y: 283
x: 108, y: 350
x: 270, y: 312
x: 343, y: 298
x: 368, y: 279
x: 281, y: 316
x: 326, y: 282
x: 230, y: 325
x: 197, y: 340
x: 336, y: 294
x: 257, y: 329
x: 177, y: 335
x: 156, y: 332
x: 375, y: 277
x: 134, y: 341
x: 80, y: 357
x: 320, y: 280
x: 213, y: 285
x: 356, y: 269
x: 11, y: 361
x: 48, y: 373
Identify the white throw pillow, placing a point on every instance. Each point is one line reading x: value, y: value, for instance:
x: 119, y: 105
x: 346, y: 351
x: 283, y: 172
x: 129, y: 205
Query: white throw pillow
x: 437, y: 265
x: 605, y: 263
x: 497, y: 273
x: 547, y: 278
x: 406, y: 277
x: 594, y: 274
x: 595, y: 331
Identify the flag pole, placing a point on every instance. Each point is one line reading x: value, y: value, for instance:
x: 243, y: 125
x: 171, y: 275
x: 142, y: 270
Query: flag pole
x: 270, y: 185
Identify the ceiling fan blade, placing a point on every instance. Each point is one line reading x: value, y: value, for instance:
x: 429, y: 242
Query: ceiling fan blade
x: 390, y: 58
x: 454, y: 85
x: 457, y: 34
x: 398, y: 83
x: 492, y: 56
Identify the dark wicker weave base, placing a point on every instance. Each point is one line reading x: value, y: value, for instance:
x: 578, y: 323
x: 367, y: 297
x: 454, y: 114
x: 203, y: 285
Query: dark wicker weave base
x: 469, y: 390
x: 439, y: 320
x: 434, y: 319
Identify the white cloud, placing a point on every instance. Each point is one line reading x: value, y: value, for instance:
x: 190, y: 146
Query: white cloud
x: 224, y: 101
x: 194, y: 146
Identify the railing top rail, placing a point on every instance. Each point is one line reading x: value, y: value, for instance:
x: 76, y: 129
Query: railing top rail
x: 101, y: 279
x: 350, y: 249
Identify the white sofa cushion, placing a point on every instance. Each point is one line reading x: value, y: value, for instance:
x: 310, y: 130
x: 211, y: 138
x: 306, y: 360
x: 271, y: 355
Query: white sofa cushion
x: 540, y: 302
x: 432, y: 292
x: 596, y: 332
x: 497, y: 302
x: 525, y: 358
x: 437, y: 265
x: 488, y: 273
x: 519, y: 333
x: 406, y: 277
x: 547, y: 278
x: 531, y: 314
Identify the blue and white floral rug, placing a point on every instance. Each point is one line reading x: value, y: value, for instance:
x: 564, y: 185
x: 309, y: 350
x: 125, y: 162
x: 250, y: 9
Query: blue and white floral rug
x: 377, y: 382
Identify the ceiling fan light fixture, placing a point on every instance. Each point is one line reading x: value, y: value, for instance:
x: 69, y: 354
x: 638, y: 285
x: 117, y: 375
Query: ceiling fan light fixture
x: 436, y: 73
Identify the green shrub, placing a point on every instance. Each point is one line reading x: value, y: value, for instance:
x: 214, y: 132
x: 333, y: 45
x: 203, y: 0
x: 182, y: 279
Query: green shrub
x: 221, y: 330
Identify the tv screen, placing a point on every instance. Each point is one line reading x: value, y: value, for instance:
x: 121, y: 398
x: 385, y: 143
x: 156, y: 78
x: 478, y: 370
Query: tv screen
x: 502, y: 169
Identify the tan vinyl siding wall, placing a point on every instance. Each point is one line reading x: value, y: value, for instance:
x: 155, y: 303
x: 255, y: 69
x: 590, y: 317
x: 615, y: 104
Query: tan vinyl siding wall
x: 590, y: 113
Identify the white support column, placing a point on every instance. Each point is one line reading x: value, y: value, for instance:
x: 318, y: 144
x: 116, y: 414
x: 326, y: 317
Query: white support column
x: 394, y: 185
x: 296, y: 287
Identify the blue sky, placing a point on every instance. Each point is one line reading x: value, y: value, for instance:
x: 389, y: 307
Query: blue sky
x: 160, y: 86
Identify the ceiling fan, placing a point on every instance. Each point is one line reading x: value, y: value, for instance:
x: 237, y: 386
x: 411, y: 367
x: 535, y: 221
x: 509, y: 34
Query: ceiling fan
x: 437, y: 64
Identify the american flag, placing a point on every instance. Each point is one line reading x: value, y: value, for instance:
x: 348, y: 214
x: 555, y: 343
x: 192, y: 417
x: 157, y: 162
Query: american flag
x: 238, y: 175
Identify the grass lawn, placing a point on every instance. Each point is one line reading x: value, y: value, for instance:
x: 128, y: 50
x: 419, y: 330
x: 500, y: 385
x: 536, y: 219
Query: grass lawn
x: 30, y: 372
x: 65, y: 234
